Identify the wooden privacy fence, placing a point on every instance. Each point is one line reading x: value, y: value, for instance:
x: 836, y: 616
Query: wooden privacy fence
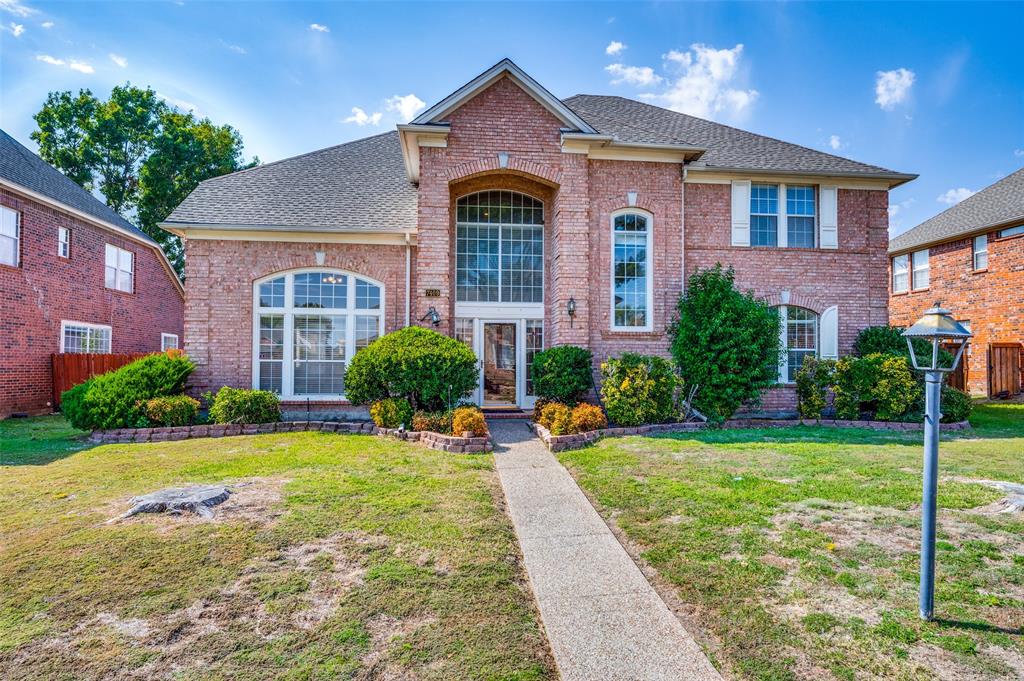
x: 72, y: 368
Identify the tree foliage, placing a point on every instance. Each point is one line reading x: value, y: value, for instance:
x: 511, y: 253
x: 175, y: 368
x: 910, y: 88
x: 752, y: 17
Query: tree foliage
x: 141, y: 154
x: 725, y: 342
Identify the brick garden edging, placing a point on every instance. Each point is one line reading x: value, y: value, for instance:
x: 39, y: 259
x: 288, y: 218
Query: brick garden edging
x: 559, y: 443
x: 446, y: 443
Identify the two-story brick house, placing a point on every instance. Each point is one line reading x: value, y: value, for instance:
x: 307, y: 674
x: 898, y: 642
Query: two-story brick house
x: 517, y: 221
x: 74, y: 277
x: 970, y: 257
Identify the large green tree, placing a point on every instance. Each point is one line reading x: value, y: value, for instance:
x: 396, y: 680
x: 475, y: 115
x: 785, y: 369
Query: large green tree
x: 143, y: 155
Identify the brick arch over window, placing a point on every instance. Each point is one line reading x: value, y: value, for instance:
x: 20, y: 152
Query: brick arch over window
x: 812, y: 303
x: 540, y: 172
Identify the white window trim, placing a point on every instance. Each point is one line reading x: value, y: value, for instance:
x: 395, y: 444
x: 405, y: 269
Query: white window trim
x: 893, y: 282
x: 289, y: 312
x: 975, y: 252
x: 17, y: 236
x: 164, y: 337
x: 914, y: 270
x: 64, y: 323
x: 782, y: 215
x: 117, y: 268
x: 64, y: 243
x: 649, y: 326
x: 784, y: 340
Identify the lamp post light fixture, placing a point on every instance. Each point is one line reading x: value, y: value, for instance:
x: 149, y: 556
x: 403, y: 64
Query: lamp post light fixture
x: 570, y: 307
x: 433, y: 315
x: 937, y: 327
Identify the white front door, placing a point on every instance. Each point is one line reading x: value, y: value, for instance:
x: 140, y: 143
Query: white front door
x: 504, y: 349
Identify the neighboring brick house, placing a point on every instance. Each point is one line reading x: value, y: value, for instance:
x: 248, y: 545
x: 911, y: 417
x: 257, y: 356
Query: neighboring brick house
x: 970, y: 257
x: 523, y: 222
x: 74, y: 277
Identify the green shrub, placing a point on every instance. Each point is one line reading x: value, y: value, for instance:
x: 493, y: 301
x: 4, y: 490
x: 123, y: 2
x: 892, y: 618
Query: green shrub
x: 391, y: 412
x: 433, y: 421
x: 724, y: 342
x: 586, y: 417
x: 563, y: 374
x: 236, y: 405
x: 956, y: 405
x: 117, y: 399
x: 555, y: 415
x: 880, y: 385
x: 813, y: 382
x: 175, y: 410
x: 638, y: 389
x: 469, y: 420
x: 890, y: 340
x: 430, y: 370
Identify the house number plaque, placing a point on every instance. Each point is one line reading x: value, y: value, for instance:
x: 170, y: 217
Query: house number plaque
x: 432, y: 293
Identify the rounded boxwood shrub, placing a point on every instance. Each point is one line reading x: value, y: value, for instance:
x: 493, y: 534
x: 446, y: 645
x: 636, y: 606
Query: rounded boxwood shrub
x: 432, y: 371
x: 890, y: 340
x: 879, y: 385
x: 117, y: 399
x: 237, y: 405
x: 586, y: 417
x: 433, y: 421
x: 469, y: 420
x: 563, y: 374
x: 956, y: 405
x: 391, y: 412
x: 638, y: 389
x: 175, y: 410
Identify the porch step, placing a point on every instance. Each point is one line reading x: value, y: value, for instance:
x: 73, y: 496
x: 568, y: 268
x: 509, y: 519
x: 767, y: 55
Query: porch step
x: 506, y: 413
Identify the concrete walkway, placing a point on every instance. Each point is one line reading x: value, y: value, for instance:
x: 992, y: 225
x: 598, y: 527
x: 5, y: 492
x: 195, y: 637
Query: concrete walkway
x: 602, y: 617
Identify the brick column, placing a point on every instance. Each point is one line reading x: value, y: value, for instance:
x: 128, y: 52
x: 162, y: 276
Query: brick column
x: 434, y: 255
x: 570, y: 256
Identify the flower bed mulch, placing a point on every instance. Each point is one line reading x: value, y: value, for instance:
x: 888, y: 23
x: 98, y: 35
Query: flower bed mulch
x: 447, y: 443
x: 558, y: 443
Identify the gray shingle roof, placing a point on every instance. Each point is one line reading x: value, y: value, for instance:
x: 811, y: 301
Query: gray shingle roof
x: 360, y: 185
x: 22, y: 167
x: 728, y: 148
x: 997, y: 204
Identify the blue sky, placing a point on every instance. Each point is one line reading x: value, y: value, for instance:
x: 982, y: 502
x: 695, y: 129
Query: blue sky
x: 934, y: 89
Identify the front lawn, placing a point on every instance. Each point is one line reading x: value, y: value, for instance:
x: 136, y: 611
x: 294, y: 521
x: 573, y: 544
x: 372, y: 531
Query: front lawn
x: 795, y: 552
x: 338, y: 556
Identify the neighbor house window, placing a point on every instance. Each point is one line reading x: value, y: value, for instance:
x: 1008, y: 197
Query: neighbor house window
x: 499, y: 248
x: 168, y: 341
x: 308, y: 325
x: 84, y: 337
x: 900, y: 273
x: 631, y: 275
x: 800, y: 227
x: 764, y: 215
x: 1012, y: 231
x: 800, y: 337
x: 979, y: 252
x: 534, y: 344
x: 921, y: 273
x: 120, y: 266
x: 64, y: 242
x: 10, y: 233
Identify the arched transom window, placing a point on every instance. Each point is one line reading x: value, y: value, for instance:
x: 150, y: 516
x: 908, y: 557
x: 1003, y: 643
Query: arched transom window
x: 800, y: 339
x: 307, y: 326
x: 499, y: 248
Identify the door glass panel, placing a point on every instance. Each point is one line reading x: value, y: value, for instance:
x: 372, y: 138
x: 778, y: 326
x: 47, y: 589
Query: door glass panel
x: 500, y: 363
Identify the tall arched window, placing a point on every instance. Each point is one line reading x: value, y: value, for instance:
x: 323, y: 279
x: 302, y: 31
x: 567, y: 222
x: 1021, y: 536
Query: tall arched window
x: 307, y: 326
x: 632, y: 283
x: 499, y: 248
x: 800, y: 339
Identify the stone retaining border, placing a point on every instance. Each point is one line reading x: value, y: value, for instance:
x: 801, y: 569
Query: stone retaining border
x: 446, y: 443
x: 558, y: 443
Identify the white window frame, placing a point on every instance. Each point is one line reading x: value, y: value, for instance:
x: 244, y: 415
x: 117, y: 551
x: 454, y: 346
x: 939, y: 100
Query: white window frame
x: 784, y: 340
x: 649, y: 284
x: 905, y: 259
x: 289, y: 311
x: 782, y: 215
x: 65, y: 323
x: 117, y: 269
x: 64, y: 243
x: 9, y: 216
x: 1011, y: 231
x: 163, y: 342
x: 976, y: 252
x: 924, y: 269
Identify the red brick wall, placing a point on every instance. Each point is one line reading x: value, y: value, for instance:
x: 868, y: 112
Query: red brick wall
x: 992, y: 300
x: 219, y: 278
x: 46, y: 289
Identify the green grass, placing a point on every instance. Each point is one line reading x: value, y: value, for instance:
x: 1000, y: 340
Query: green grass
x: 798, y: 548
x: 346, y: 557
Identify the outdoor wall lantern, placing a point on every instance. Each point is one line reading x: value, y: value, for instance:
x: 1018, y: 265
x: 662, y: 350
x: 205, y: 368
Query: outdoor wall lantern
x: 938, y: 327
x: 571, y: 309
x: 433, y: 316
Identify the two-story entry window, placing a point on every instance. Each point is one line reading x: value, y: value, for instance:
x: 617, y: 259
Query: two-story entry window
x: 307, y: 326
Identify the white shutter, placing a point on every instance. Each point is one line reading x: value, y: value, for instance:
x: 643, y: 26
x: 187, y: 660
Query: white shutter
x: 829, y: 224
x: 741, y: 212
x: 828, y: 331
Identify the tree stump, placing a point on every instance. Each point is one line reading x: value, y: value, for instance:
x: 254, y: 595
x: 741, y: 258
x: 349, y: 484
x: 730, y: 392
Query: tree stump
x: 199, y: 499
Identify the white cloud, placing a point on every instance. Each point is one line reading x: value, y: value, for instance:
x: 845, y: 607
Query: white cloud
x: 406, y: 106
x: 896, y: 211
x: 361, y: 118
x: 118, y: 59
x: 237, y: 49
x: 702, y: 82
x: 182, y: 104
x: 49, y: 60
x: 320, y: 28
x: 614, y: 48
x: 81, y: 66
x: 1019, y: 153
x: 47, y: 24
x: 16, y: 8
x: 835, y: 142
x: 892, y: 87
x: 642, y: 76
x: 954, y: 196
x: 17, y: 29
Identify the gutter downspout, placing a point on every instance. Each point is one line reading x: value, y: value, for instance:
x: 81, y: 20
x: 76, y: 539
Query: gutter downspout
x: 408, y: 278
x: 682, y: 230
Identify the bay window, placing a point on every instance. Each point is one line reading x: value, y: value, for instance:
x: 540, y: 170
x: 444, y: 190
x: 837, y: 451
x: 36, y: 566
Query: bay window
x: 631, y: 271
x: 307, y: 327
